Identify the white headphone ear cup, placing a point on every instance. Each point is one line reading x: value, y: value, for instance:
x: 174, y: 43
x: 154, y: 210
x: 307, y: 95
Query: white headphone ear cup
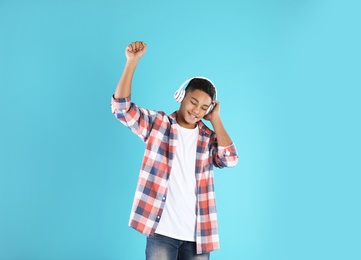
x: 210, y: 108
x: 176, y: 95
x: 179, y: 95
x: 182, y: 94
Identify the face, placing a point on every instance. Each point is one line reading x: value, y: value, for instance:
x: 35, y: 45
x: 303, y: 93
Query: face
x: 193, y: 108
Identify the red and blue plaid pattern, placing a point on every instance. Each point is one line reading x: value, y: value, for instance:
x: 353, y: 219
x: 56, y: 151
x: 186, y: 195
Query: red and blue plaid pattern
x: 159, y: 134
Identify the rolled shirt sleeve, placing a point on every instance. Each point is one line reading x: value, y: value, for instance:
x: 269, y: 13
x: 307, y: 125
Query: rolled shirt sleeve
x: 119, y: 105
x: 226, y: 156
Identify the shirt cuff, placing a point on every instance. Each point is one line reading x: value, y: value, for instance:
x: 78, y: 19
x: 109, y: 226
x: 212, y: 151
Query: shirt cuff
x: 229, y: 150
x: 120, y: 104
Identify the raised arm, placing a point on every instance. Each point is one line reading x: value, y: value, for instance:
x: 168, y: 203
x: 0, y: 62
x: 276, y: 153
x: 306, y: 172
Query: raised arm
x: 133, y: 53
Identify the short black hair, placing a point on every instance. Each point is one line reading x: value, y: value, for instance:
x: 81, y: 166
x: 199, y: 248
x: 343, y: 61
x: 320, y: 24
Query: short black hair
x: 202, y: 84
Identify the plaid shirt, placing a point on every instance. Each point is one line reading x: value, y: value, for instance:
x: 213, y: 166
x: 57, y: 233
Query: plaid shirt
x: 159, y: 134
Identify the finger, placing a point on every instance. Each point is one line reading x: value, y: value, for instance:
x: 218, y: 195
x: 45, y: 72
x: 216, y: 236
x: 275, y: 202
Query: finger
x: 216, y: 105
x: 137, y: 46
x: 130, y: 47
x: 141, y: 45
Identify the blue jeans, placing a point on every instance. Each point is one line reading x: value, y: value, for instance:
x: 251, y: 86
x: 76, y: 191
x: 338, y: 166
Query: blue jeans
x: 165, y: 248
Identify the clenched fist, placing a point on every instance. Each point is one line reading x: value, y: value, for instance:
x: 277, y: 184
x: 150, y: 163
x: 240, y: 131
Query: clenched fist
x: 135, y: 50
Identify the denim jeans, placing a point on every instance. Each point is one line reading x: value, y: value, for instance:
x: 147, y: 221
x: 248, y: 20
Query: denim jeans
x: 165, y: 248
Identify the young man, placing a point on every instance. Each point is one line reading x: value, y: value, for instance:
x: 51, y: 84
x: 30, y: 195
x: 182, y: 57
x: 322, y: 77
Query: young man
x: 174, y: 203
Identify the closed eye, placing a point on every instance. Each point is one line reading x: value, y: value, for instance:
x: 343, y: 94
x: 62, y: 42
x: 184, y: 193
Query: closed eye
x: 195, y: 102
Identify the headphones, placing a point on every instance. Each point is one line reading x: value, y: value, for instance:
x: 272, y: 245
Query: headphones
x: 180, y: 93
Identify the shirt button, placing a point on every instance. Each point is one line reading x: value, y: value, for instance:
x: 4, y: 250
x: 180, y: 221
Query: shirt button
x: 163, y: 198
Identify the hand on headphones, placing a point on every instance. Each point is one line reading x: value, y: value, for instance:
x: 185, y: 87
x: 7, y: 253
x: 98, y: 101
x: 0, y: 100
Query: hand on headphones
x: 135, y: 50
x: 215, y: 113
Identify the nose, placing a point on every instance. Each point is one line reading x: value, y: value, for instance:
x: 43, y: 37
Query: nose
x: 196, y: 109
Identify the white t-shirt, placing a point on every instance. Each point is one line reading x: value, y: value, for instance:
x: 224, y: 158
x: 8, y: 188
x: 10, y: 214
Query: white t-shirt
x: 179, y: 215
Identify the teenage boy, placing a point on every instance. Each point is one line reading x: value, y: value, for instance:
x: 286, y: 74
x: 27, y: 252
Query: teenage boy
x: 174, y: 203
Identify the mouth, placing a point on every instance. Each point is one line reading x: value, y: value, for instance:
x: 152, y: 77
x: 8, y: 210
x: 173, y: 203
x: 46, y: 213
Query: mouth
x: 193, y: 116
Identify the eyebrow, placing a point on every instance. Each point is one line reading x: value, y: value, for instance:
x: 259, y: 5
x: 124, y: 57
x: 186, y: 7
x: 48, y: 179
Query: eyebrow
x: 198, y: 101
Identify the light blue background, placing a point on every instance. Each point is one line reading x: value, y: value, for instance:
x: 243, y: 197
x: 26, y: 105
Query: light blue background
x: 288, y: 79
